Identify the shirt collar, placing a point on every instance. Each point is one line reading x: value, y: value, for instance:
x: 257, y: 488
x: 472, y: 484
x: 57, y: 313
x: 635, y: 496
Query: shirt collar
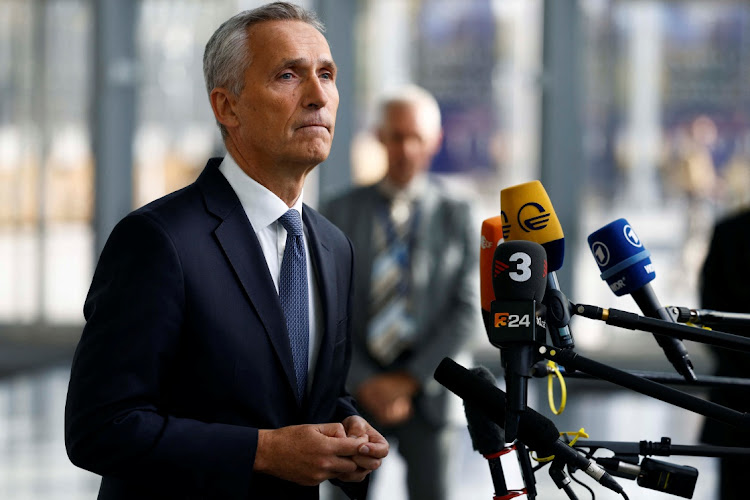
x: 410, y: 192
x: 263, y: 207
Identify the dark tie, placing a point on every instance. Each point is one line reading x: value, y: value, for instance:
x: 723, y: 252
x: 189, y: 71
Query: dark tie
x: 293, y: 295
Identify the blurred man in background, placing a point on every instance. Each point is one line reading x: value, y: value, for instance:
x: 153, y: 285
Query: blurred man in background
x: 416, y: 295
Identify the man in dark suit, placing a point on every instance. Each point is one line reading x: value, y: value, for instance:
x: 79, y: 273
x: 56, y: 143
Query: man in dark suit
x: 724, y: 287
x: 416, y: 294
x: 216, y: 344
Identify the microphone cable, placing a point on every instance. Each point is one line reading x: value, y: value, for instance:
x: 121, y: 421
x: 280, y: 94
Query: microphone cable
x: 578, y: 481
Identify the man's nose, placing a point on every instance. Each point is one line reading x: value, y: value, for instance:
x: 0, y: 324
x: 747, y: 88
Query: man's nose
x: 316, y: 94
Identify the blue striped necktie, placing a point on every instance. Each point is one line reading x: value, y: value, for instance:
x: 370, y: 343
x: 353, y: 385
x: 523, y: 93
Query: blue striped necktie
x: 293, y: 295
x: 391, y: 327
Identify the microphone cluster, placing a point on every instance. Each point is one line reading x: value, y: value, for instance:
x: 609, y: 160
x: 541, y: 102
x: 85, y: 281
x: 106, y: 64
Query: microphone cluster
x: 523, y: 306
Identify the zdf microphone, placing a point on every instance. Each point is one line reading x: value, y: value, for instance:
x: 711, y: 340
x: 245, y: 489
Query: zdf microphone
x: 626, y: 266
x: 492, y: 236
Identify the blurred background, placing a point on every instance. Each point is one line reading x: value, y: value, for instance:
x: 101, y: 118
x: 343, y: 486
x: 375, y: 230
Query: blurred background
x: 622, y: 108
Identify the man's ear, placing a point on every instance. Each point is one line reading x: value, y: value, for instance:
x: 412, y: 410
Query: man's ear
x: 223, y: 103
x: 438, y: 142
x: 379, y: 134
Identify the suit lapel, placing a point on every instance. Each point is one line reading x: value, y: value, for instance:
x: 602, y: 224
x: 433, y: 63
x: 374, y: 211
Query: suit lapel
x: 242, y: 249
x: 422, y: 254
x: 325, y: 275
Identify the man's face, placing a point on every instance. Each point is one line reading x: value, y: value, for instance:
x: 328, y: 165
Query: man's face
x: 409, y: 143
x: 287, y: 109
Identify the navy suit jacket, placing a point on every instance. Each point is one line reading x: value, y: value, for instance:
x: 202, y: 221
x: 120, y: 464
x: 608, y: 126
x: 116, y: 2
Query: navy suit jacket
x: 185, y: 353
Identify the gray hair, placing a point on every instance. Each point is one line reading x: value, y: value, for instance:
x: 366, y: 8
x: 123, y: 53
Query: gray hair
x: 411, y: 95
x: 227, y: 54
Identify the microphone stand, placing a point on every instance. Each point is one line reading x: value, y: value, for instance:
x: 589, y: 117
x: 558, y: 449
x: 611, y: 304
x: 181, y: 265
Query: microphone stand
x: 573, y: 361
x: 633, y: 321
x: 708, y: 317
x: 527, y: 471
x: 540, y: 370
x: 498, y: 475
x: 664, y: 448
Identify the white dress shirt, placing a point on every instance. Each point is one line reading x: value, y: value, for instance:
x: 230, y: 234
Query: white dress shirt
x: 263, y: 209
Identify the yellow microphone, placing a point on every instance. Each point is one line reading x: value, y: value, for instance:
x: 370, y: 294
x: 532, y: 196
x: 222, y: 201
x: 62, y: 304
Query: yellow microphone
x: 532, y: 218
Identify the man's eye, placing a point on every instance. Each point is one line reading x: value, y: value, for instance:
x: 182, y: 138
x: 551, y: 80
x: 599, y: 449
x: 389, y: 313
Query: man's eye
x: 327, y: 76
x: 286, y: 76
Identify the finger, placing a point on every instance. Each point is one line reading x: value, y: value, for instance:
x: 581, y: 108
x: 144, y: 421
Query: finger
x: 355, y: 426
x: 342, y: 465
x: 368, y: 463
x: 374, y: 450
x: 346, y: 446
x: 376, y: 437
x: 333, y: 429
x: 354, y: 477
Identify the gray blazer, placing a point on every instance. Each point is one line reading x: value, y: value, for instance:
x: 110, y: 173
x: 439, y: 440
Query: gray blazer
x: 444, y: 283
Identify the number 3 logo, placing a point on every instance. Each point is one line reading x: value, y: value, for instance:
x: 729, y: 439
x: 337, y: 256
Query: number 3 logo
x: 523, y: 267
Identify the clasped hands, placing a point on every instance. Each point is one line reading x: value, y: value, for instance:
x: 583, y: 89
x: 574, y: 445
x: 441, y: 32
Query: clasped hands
x: 312, y: 453
x: 388, y: 397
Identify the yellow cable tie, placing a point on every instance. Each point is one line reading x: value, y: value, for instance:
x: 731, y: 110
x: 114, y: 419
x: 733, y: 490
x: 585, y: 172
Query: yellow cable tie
x: 543, y: 459
x: 689, y: 323
x: 580, y: 433
x: 551, y: 392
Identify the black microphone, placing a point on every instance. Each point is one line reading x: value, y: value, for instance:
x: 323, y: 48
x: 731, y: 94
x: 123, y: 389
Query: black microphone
x: 534, y: 430
x: 655, y: 474
x: 626, y: 267
x: 487, y: 437
x: 519, y: 280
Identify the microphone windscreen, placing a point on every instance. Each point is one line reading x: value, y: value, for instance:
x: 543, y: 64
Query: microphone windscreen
x: 532, y: 218
x: 534, y: 430
x: 519, y: 271
x: 537, y: 432
x: 486, y: 436
x: 492, y: 235
x: 623, y: 261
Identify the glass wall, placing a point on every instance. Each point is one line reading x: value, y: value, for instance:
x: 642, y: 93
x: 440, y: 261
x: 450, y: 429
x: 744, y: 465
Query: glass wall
x: 666, y: 135
x: 46, y: 167
x: 665, y: 131
x: 480, y: 59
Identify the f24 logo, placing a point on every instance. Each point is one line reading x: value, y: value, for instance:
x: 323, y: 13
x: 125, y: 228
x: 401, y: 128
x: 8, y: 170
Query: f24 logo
x: 511, y: 320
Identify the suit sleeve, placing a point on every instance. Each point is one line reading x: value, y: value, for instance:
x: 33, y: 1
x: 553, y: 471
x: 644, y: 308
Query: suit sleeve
x: 115, y: 419
x: 456, y: 320
x: 346, y: 405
